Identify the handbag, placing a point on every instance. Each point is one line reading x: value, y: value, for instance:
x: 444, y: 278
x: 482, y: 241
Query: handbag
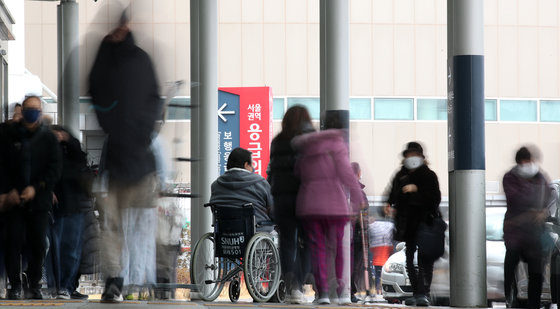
x: 431, y: 239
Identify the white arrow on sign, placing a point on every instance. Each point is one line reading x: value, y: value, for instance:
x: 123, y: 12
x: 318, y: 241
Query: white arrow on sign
x: 222, y: 112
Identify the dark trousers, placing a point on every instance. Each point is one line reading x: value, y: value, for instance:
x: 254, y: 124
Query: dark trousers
x: 166, y: 267
x: 31, y: 226
x: 358, y: 266
x: 293, y: 255
x: 420, y: 278
x: 535, y: 269
x: 66, y: 249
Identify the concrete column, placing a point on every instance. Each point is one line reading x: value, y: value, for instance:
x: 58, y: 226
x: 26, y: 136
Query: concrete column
x: 466, y: 154
x: 195, y: 120
x: 68, y: 67
x: 334, y: 83
x: 334, y: 60
x: 208, y: 119
x: 323, y: 62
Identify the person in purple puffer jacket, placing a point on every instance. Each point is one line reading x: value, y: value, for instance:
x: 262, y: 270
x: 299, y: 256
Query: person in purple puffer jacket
x: 326, y: 183
x: 527, y: 195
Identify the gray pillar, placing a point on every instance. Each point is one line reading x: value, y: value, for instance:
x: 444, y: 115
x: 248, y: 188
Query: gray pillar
x: 334, y: 94
x: 323, y: 62
x: 466, y: 154
x: 208, y: 119
x: 195, y: 120
x: 68, y: 67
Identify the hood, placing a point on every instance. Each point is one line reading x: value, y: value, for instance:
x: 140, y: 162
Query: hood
x: 237, y: 178
x: 317, y: 142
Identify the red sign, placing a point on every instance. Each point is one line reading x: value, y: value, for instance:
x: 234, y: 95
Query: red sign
x: 255, y: 123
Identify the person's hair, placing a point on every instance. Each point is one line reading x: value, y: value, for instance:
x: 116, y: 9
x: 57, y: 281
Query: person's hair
x: 17, y: 104
x: 522, y: 154
x: 295, y: 121
x: 238, y: 157
x: 29, y: 98
x: 356, y: 168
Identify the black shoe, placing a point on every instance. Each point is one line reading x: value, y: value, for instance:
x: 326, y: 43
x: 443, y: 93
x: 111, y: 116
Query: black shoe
x: 15, y: 294
x: 63, y: 294
x: 354, y: 299
x: 113, y: 290
x: 422, y: 301
x: 34, y: 294
x: 78, y: 295
x: 411, y: 301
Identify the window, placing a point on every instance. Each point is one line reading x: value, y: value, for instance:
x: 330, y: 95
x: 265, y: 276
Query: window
x: 277, y: 108
x: 490, y: 109
x: 394, y: 109
x: 550, y: 111
x: 518, y: 110
x: 312, y: 104
x: 360, y: 109
x: 432, y: 109
x: 179, y: 113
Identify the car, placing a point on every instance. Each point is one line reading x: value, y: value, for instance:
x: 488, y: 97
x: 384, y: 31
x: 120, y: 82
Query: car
x: 396, y: 285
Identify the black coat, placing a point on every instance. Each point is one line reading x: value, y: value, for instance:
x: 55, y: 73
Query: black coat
x: 124, y: 92
x: 32, y: 159
x: 284, y: 185
x: 414, y: 207
x: 71, y: 189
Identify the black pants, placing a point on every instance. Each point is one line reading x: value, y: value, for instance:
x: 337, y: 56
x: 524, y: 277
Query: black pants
x: 357, y: 281
x: 534, y: 258
x: 420, y: 278
x: 294, y: 255
x: 30, y: 229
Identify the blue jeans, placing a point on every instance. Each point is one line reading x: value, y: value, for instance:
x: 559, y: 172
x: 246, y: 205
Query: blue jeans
x: 67, y: 249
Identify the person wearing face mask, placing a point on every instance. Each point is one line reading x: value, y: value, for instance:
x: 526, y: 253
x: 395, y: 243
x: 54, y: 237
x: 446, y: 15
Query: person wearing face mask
x: 527, y: 194
x: 35, y: 165
x: 415, y: 195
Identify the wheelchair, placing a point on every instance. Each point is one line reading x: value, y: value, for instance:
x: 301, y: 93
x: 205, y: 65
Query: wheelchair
x: 233, y: 250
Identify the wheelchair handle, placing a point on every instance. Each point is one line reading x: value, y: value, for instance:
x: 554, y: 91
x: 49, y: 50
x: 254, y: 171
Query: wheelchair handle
x: 246, y: 205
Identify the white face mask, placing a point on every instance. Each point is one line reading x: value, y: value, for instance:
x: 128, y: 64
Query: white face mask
x: 413, y: 162
x: 527, y: 170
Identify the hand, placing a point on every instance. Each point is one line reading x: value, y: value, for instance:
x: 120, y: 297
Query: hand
x: 54, y: 199
x: 28, y: 194
x: 410, y: 188
x: 12, y: 198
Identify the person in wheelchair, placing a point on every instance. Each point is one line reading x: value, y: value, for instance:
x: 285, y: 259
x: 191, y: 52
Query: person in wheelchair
x: 239, y: 185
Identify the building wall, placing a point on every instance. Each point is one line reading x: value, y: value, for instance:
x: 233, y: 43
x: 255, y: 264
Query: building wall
x: 397, y: 48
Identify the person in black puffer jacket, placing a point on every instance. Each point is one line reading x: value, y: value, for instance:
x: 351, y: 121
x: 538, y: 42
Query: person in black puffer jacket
x: 284, y: 188
x: 416, y: 196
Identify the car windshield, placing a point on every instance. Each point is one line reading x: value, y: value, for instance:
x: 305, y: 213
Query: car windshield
x: 495, y: 223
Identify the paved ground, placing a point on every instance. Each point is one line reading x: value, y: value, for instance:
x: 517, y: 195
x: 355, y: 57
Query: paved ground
x: 175, y: 305
x: 190, y: 305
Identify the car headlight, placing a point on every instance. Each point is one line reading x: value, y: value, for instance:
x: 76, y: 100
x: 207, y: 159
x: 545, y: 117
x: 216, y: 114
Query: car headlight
x: 394, y: 268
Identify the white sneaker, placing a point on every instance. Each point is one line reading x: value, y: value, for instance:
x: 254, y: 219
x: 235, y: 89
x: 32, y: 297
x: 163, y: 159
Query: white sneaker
x: 344, y: 301
x: 296, y: 297
x: 323, y: 301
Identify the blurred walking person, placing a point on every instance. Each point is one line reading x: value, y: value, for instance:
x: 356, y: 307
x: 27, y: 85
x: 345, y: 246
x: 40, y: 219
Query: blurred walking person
x: 70, y: 193
x: 34, y: 167
x: 416, y: 196
x: 326, y: 178
x: 527, y: 194
x: 284, y: 187
x: 381, y: 243
x: 360, y: 267
x: 125, y: 96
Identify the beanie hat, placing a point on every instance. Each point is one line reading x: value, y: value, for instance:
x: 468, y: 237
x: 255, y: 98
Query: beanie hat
x: 413, y: 147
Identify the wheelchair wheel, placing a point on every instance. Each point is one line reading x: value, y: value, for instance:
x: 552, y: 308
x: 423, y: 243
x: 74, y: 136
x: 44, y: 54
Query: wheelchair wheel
x: 234, y: 290
x: 207, y: 270
x: 261, y: 267
x: 280, y: 295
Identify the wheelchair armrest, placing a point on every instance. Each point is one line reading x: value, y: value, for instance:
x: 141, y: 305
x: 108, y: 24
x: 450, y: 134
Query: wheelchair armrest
x: 230, y: 206
x: 265, y: 223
